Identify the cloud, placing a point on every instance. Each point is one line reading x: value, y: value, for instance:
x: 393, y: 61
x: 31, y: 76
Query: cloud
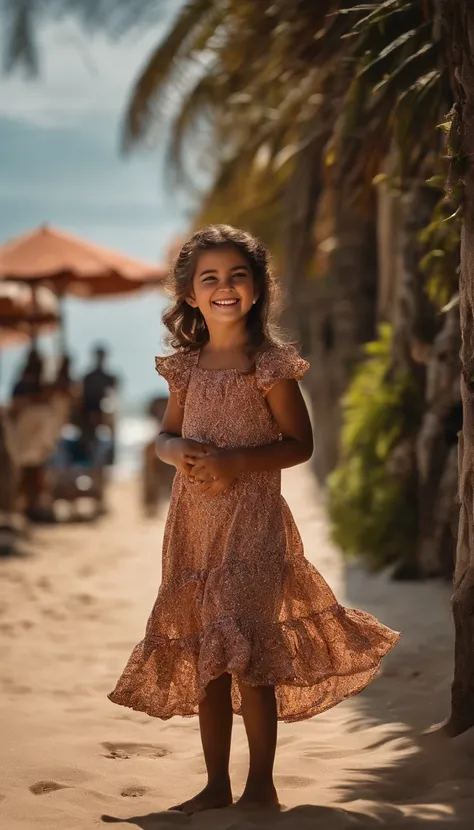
x: 82, y: 76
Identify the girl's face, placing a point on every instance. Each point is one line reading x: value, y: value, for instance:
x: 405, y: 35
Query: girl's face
x: 223, y: 286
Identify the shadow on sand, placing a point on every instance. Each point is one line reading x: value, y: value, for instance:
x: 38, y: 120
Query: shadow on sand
x: 305, y: 817
x: 428, y: 781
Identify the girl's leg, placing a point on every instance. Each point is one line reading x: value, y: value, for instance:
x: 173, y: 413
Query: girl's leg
x: 215, y: 721
x: 260, y: 718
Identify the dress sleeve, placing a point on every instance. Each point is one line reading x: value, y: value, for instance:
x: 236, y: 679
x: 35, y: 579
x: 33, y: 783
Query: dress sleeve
x: 176, y: 370
x: 279, y: 363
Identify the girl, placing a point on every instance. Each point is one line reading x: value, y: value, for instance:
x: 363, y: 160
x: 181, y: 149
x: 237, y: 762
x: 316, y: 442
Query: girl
x: 242, y: 622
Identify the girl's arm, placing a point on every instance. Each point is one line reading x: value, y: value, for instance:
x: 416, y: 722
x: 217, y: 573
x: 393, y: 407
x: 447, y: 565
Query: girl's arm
x: 289, y: 411
x: 170, y: 446
x: 170, y: 430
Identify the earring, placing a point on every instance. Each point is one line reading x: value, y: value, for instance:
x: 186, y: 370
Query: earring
x: 254, y: 302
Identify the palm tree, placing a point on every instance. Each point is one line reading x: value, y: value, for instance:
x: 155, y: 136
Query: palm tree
x: 305, y: 103
x: 458, y: 20
x: 295, y: 105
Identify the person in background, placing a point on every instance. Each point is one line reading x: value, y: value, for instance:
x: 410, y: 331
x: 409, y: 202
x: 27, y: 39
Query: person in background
x: 28, y: 384
x: 98, y: 399
x: 30, y: 428
x: 63, y: 378
x: 9, y: 477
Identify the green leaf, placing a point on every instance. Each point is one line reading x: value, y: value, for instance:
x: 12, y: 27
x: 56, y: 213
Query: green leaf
x: 381, y: 12
x: 437, y: 182
x: 376, y: 65
x: 425, y: 56
x: 427, y: 261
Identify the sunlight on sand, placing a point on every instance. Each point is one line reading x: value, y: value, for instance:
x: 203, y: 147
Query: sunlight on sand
x: 72, y: 608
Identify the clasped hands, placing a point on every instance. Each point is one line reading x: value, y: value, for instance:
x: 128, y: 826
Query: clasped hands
x: 206, y: 465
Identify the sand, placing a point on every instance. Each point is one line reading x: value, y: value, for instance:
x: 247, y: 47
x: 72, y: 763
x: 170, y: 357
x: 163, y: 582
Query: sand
x: 74, y: 605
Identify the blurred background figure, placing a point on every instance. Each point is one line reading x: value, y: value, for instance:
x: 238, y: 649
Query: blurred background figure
x: 99, y: 388
x: 33, y: 432
x: 63, y: 378
x: 28, y: 382
x: 9, y: 481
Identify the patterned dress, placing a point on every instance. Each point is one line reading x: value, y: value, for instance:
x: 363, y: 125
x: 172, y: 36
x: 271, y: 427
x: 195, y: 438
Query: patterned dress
x: 237, y: 594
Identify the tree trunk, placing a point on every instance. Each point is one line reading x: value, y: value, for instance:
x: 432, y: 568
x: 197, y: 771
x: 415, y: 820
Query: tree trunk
x: 458, y: 17
x: 437, y: 452
x: 388, y: 248
x: 342, y: 308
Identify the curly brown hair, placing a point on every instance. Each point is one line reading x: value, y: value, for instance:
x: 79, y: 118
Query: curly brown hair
x: 186, y: 326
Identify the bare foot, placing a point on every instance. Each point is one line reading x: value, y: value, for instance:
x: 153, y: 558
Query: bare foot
x: 213, y: 797
x: 258, y: 796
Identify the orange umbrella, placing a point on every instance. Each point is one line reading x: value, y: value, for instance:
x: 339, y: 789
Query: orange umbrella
x: 72, y: 265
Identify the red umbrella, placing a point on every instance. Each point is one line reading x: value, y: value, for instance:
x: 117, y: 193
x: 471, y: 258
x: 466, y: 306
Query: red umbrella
x: 73, y: 266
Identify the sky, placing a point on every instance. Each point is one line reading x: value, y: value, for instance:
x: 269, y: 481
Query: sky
x: 59, y: 145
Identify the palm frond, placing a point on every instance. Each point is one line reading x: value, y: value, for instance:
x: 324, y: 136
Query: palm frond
x: 381, y: 11
x: 382, y: 62
x: 21, y: 21
x: 412, y: 67
x: 19, y: 45
x: 199, y: 105
x: 169, y: 64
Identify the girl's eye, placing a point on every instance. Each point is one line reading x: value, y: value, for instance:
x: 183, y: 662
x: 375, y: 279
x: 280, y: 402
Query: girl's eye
x: 241, y: 276
x: 209, y: 278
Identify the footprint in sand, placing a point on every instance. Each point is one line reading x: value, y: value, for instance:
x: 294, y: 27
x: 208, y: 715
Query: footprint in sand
x: 53, y: 613
x: 330, y: 754
x: 43, y: 787
x: 13, y: 688
x: 293, y: 781
x: 84, y: 599
x: 134, y: 792
x: 86, y: 571
x: 126, y: 750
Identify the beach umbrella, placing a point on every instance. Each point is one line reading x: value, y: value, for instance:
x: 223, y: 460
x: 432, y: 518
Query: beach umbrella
x: 70, y: 265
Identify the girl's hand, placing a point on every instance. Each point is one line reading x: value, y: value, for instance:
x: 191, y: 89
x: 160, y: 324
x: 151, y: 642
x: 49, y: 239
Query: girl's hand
x: 185, y: 453
x: 216, y: 470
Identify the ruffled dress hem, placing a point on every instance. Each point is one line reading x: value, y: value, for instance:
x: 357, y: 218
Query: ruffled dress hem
x: 303, y: 659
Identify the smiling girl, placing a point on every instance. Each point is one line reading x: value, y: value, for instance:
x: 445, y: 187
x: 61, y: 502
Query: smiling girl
x: 243, y: 623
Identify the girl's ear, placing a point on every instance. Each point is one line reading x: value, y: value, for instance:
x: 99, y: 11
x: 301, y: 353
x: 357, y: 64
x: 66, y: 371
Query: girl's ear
x: 256, y: 296
x: 191, y: 301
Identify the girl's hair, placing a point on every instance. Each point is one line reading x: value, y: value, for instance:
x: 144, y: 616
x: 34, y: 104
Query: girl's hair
x: 186, y: 325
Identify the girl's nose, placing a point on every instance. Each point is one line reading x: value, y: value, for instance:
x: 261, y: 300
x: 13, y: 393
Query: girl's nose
x: 226, y: 282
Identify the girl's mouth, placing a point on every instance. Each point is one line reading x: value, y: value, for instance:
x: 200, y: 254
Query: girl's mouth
x: 228, y: 303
